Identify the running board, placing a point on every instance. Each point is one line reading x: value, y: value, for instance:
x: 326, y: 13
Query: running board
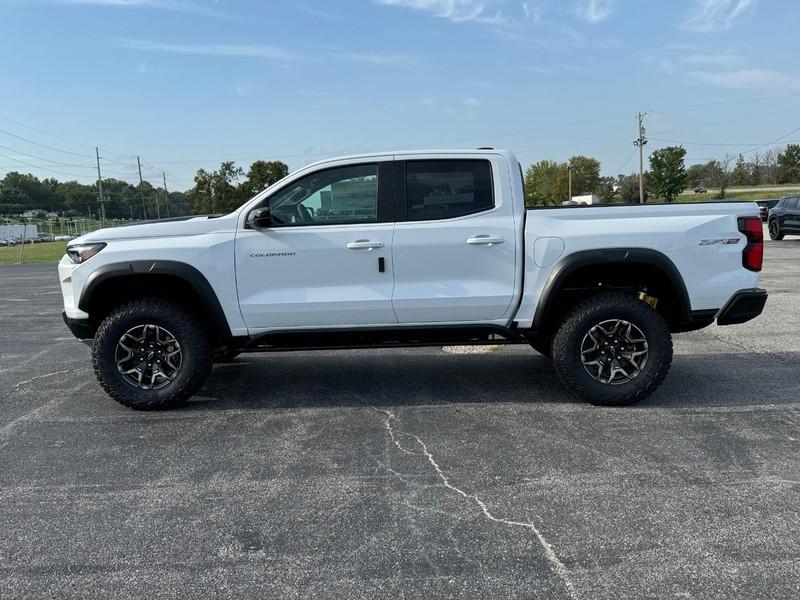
x: 389, y: 337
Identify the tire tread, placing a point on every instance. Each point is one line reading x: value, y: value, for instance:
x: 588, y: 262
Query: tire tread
x: 585, y: 310
x: 194, y: 336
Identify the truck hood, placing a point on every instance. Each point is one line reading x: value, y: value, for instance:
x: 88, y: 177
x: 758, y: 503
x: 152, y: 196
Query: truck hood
x: 176, y: 226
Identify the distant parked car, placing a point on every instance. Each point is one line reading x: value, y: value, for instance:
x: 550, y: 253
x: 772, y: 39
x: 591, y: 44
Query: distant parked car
x: 4, y: 242
x: 784, y: 218
x: 764, y: 206
x: 699, y: 190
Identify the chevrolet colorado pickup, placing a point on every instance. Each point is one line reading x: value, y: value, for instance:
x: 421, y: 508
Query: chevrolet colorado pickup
x: 410, y: 249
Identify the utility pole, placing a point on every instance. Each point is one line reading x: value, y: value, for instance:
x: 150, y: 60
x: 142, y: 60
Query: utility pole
x: 569, y: 171
x: 24, y: 234
x: 166, y: 194
x: 640, y: 142
x: 100, y: 190
x: 141, y: 188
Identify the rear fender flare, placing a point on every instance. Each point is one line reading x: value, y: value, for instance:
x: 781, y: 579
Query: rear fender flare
x: 586, y: 258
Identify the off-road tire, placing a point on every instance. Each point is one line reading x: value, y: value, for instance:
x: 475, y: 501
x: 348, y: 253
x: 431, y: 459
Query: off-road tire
x: 774, y: 228
x: 596, y: 309
x: 188, y: 331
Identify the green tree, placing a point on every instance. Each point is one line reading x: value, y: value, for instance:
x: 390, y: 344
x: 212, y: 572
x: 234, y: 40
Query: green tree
x: 546, y: 183
x: 789, y: 164
x: 606, y: 190
x: 263, y: 174
x: 200, y: 196
x: 741, y: 172
x: 217, y: 191
x: 77, y: 197
x: 585, y: 175
x: 719, y: 173
x: 695, y: 175
x: 667, y: 172
x: 629, y: 189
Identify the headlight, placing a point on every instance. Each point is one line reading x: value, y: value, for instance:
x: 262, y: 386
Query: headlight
x: 80, y: 253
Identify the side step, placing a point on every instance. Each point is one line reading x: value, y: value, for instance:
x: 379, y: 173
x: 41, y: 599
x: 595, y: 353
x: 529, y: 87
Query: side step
x: 389, y: 337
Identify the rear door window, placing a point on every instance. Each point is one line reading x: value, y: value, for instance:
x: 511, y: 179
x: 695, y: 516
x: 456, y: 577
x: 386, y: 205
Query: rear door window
x: 447, y: 188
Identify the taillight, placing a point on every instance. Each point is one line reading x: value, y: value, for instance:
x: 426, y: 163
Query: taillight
x: 753, y: 253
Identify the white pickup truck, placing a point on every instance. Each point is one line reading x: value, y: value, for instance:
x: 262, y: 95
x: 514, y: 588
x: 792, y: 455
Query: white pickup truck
x: 410, y: 249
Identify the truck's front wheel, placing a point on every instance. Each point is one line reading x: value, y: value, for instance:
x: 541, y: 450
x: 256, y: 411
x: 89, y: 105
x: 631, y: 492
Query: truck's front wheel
x: 151, y: 354
x: 612, y: 350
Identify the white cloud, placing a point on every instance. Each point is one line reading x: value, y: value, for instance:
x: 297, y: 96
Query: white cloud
x: 242, y: 89
x: 746, y: 79
x: 667, y: 66
x: 262, y: 51
x: 472, y: 102
x: 141, y: 67
x: 192, y: 6
x: 454, y: 10
x: 715, y: 15
x: 594, y: 11
x: 318, y: 13
x: 533, y: 11
x: 539, y: 70
x: 152, y: 3
x: 720, y: 59
x: 240, y: 50
x: 374, y: 58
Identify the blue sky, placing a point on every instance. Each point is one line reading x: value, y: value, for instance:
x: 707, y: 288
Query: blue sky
x: 188, y: 83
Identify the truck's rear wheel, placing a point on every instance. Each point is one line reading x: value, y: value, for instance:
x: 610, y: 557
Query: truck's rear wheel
x: 151, y: 354
x: 612, y: 350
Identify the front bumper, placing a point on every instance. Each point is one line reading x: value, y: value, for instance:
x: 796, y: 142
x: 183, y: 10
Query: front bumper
x: 743, y: 306
x: 80, y: 328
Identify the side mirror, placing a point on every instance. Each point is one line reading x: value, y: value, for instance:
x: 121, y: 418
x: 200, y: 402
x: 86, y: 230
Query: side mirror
x: 259, y: 218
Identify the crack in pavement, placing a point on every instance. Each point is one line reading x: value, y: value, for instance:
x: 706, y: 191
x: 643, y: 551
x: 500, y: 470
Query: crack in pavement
x: 45, y: 376
x: 556, y: 565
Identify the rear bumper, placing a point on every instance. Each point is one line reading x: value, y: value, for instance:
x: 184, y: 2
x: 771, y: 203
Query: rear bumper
x: 80, y: 328
x: 743, y: 306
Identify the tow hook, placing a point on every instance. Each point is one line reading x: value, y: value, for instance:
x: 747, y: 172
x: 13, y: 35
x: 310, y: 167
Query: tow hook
x: 649, y: 300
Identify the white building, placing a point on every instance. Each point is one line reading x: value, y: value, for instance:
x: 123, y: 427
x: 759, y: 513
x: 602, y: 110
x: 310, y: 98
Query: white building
x: 586, y: 199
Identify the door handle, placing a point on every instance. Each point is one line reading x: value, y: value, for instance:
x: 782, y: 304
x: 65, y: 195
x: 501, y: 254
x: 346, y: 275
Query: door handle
x: 484, y: 240
x: 364, y: 245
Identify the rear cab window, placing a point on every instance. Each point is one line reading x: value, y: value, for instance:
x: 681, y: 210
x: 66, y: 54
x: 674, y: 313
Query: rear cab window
x: 446, y: 188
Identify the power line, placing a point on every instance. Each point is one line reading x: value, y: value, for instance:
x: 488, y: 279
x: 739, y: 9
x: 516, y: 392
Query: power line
x: 625, y: 164
x: 754, y: 146
x: 47, y: 160
x: 719, y: 103
x: 24, y: 139
x: 657, y: 139
x: 22, y: 162
x: 58, y: 137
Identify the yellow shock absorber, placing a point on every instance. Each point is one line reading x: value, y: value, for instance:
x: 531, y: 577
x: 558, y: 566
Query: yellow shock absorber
x: 650, y: 300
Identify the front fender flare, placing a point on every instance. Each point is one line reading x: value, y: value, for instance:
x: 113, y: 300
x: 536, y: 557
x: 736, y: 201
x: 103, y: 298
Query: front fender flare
x: 183, y: 271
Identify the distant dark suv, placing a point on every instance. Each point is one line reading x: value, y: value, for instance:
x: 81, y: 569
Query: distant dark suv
x: 764, y: 206
x: 784, y: 218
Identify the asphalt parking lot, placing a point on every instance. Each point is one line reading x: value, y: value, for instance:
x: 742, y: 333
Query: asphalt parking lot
x: 403, y: 474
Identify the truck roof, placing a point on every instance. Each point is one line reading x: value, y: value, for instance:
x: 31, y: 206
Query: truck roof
x: 439, y: 153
